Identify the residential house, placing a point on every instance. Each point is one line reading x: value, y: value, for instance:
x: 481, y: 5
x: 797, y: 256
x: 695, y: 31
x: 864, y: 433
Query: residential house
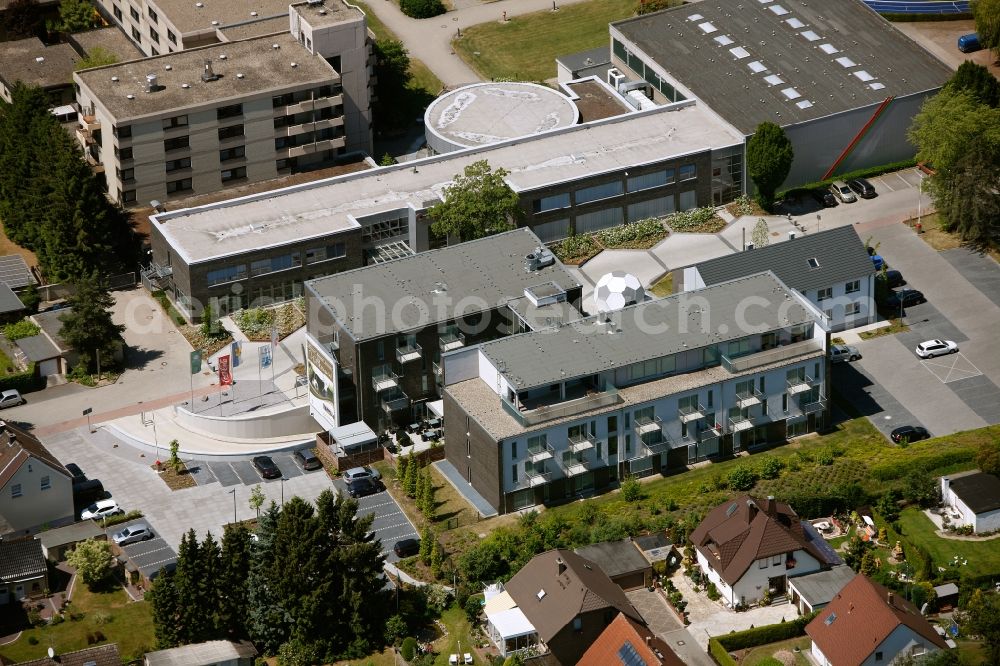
x: 553, y: 414
x: 831, y: 268
x: 621, y: 561
x: 972, y: 498
x: 866, y: 625
x: 211, y: 653
x: 36, y: 491
x: 815, y: 590
x: 557, y: 605
x: 102, y: 655
x: 23, y: 571
x: 53, y: 354
x: 748, y: 547
x: 629, y: 643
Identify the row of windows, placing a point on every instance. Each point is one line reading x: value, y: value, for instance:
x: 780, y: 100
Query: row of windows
x: 16, y: 490
x: 614, y: 188
x: 827, y: 292
x: 301, y: 96
x: 648, y: 74
x: 275, y: 264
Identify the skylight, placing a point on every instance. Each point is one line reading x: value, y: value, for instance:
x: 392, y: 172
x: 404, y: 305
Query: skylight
x: 756, y: 66
x: 723, y: 40
x: 778, y: 9
x: 813, y: 262
x: 810, y: 35
x: 731, y: 510
x: 707, y: 28
x: 804, y: 104
x: 764, y: 2
x: 791, y: 93
x: 695, y: 17
x: 739, y: 52
x: 846, y: 62
x: 828, y: 621
x: 876, y: 86
x: 829, y: 49
x: 863, y: 75
x: 773, y: 79
x: 795, y: 23
x: 540, y: 594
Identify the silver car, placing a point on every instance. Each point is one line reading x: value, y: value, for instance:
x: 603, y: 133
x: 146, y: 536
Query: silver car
x: 840, y: 353
x: 134, y: 533
x: 843, y: 192
x: 356, y: 473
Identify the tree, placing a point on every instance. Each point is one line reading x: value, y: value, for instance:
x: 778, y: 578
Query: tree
x: 175, y: 459
x: 89, y: 328
x: 412, y: 476
x: 978, y: 81
x: 855, y: 552
x: 987, y: 16
x: 631, y: 489
x: 96, y: 57
x: 23, y: 19
x: 478, y: 203
x: 770, y: 467
x: 31, y: 298
x: 76, y: 16
x: 92, y: 560
x: 769, y: 159
x: 437, y: 558
x: 234, y: 569
x: 760, y: 236
x: 392, y: 69
x: 988, y: 457
x: 869, y: 564
x: 982, y: 615
x: 426, y: 543
x: 256, y: 499
x: 742, y: 477
x: 298, y: 653
x: 514, y: 660
x: 395, y: 630
x: 163, y: 599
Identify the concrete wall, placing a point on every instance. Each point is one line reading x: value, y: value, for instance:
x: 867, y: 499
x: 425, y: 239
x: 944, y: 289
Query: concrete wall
x: 290, y: 423
x: 37, y: 507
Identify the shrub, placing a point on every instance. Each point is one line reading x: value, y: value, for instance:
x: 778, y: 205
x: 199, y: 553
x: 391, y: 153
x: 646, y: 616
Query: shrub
x: 631, y: 489
x: 825, y: 458
x: 770, y: 467
x: 712, y: 591
x: 254, y: 322
x: 395, y: 629
x: 575, y: 247
x: 134, y: 514
x: 636, y: 232
x: 771, y: 633
x: 23, y: 382
x: 689, y: 220
x: 422, y: 8
x: 650, y: 6
x: 719, y: 653
x: 472, y: 608
x: 742, y: 477
x: 24, y: 328
x: 32, y: 640
x: 409, y: 648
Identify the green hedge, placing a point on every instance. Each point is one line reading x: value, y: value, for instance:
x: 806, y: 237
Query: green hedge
x: 916, y: 18
x: 771, y: 633
x: 870, y: 172
x: 23, y: 382
x: 120, y: 518
x: 719, y: 653
x: 927, y: 462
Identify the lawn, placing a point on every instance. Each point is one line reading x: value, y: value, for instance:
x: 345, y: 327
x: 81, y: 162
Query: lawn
x: 938, y: 238
x: 758, y: 654
x: 7, y: 366
x: 130, y: 624
x: 513, y: 50
x: 458, y: 640
x: 423, y: 78
x: 983, y: 556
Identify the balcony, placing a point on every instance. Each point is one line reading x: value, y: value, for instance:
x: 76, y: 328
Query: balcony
x: 395, y: 401
x: 384, y: 380
x: 713, y: 432
x: 740, y: 423
x: 783, y: 353
x: 802, y: 384
x: 310, y: 126
x: 575, y: 466
x: 537, y: 454
x: 451, y: 340
x: 581, y: 443
x: 409, y: 353
x: 530, y: 417
x: 326, y: 144
x: 438, y: 369
x: 309, y: 105
x: 688, y: 414
x: 647, y: 424
x: 533, y: 479
x: 654, y: 443
x: 89, y: 123
x: 809, y: 406
x: 745, y: 399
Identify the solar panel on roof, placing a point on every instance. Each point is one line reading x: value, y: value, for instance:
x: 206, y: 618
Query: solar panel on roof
x: 14, y: 271
x: 724, y: 40
x: 629, y: 656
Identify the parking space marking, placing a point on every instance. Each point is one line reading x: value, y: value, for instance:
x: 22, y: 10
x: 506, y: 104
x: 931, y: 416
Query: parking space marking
x: 885, y: 183
x: 903, y: 180
x: 224, y: 473
x: 287, y: 465
x: 959, y: 368
x: 246, y: 472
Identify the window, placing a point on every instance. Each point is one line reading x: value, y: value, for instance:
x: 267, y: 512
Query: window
x: 152, y: 49
x: 689, y: 200
x: 176, y: 121
x: 46, y: 483
x: 232, y: 153
x: 15, y: 490
x: 688, y: 171
x: 122, y: 131
x: 134, y: 13
x: 852, y: 309
x: 650, y: 180
x: 230, y: 111
x: 612, y: 424
x: 577, y: 624
x: 784, y: 402
x: 182, y: 185
x: 554, y: 202
x: 597, y: 192
x: 136, y: 35
x: 175, y: 165
x: 762, y: 563
x: 878, y: 656
x: 177, y: 143
x: 234, y: 174
x: 384, y: 229
x: 123, y: 153
x: 118, y: 13
x: 776, y: 560
x: 513, y: 472
x: 280, y: 142
x: 126, y: 175
x: 334, y: 251
x: 227, y: 274
x: 824, y: 294
x: 711, y: 395
x: 152, y: 14
x: 128, y: 196
x: 153, y: 35
x: 853, y: 287
x: 230, y: 132
x: 171, y: 36
x: 274, y: 264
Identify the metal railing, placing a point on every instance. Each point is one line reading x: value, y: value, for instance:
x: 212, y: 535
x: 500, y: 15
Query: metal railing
x: 533, y: 479
x: 409, y: 353
x: 395, y: 401
x: 540, y: 453
x: 688, y: 414
x: 647, y: 424
x: 749, y: 398
x: 530, y: 417
x: 577, y: 466
x: 384, y: 380
x: 578, y: 443
x: 713, y: 432
x: 451, y: 340
x: 437, y: 368
x: 768, y: 356
x: 801, y: 384
x: 812, y: 406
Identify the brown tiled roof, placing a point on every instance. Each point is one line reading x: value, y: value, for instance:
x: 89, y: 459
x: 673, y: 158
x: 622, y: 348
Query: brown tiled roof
x: 574, y: 586
x: 102, y: 655
x: 864, y: 614
x: 21, y: 560
x: 16, y: 451
x: 737, y: 533
x: 605, y: 650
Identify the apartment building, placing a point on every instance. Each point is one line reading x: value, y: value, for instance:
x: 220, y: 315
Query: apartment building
x: 376, y: 335
x: 550, y: 414
x: 202, y: 120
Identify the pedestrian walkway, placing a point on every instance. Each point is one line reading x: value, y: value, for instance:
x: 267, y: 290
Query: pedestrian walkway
x: 465, y: 489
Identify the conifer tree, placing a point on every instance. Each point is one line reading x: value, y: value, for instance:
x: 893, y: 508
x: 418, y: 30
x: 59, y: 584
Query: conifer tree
x: 163, y: 599
x: 426, y: 544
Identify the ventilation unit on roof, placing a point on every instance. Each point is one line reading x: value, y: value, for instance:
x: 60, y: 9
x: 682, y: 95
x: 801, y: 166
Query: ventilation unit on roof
x: 151, y: 84
x: 615, y: 78
x: 40, y: 59
x: 207, y: 74
x: 313, y: 3
x: 538, y: 259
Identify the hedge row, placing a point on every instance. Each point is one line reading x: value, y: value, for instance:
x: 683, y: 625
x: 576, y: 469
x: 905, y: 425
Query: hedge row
x: 719, y: 653
x: 771, y: 633
x: 117, y: 519
x: 23, y: 382
x: 870, y: 172
x: 927, y: 462
x: 916, y: 18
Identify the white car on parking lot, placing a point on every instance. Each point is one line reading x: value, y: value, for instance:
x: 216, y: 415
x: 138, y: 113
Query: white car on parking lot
x: 932, y: 348
x: 133, y: 534
x: 101, y: 509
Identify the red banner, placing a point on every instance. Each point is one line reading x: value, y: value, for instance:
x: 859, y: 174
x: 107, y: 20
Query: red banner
x: 225, y: 376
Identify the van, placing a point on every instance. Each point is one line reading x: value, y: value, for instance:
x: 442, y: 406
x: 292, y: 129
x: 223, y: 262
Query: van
x: 969, y: 43
x: 88, y: 492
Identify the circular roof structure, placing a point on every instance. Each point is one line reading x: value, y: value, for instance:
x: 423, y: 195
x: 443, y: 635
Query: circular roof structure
x: 617, y: 289
x: 485, y: 113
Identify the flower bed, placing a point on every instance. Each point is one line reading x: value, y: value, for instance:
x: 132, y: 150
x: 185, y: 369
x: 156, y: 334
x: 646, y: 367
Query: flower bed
x: 256, y: 323
x: 695, y: 221
x: 634, y: 236
x: 575, y: 250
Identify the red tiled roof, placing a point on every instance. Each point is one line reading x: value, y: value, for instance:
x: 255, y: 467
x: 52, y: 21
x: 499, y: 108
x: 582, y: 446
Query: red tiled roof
x: 605, y: 650
x: 102, y: 655
x: 16, y: 447
x: 865, y: 614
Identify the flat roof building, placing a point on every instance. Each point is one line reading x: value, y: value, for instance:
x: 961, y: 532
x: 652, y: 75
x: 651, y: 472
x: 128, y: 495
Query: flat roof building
x: 33, y: 63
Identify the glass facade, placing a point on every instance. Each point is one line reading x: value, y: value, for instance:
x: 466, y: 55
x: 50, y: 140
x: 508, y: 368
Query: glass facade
x: 650, y: 76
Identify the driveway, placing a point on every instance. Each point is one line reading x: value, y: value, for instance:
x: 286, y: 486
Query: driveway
x: 661, y: 619
x: 148, y: 556
x: 390, y: 524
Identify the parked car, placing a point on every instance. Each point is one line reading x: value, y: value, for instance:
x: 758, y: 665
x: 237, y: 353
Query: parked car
x: 77, y: 473
x: 969, y: 43
x: 361, y: 487
x: 842, y: 191
x: 825, y: 198
x: 840, y: 353
x: 362, y: 473
x: 909, y: 433
x: 266, y: 467
x: 932, y: 348
x: 406, y: 547
x: 862, y: 188
x: 905, y: 297
x: 101, y: 509
x: 894, y: 278
x: 10, y: 398
x: 308, y: 459
x: 87, y: 492
x: 134, y: 533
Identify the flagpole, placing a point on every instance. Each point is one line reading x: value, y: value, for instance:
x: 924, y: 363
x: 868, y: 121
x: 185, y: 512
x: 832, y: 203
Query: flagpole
x: 260, y: 382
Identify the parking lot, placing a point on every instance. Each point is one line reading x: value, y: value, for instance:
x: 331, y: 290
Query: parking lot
x: 148, y: 556
x: 242, y: 472
x: 390, y: 524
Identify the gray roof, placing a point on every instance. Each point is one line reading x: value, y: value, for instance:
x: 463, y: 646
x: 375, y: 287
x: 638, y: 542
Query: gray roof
x: 19, y: 62
x: 326, y: 12
x: 14, y: 271
x: 201, y: 654
x: 476, y: 275
x: 537, y: 316
x: 111, y: 39
x: 271, y: 26
x: 9, y: 302
x: 264, y: 69
x: 695, y: 56
x: 586, y: 59
x: 839, y: 253
x: 101, y: 655
x: 188, y: 17
x: 51, y: 324
x: 38, y: 348
x: 946, y: 590
x: 615, y: 557
x: 70, y: 534
x: 642, y: 332
x: 979, y: 491
x: 820, y: 587
x: 21, y: 560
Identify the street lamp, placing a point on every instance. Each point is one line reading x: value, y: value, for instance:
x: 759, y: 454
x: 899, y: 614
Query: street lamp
x: 920, y: 201
x: 283, y: 479
x: 233, y: 493
x: 625, y: 211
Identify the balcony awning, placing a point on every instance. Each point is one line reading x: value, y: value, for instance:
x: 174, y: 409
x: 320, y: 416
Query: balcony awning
x: 511, y: 624
x: 436, y: 407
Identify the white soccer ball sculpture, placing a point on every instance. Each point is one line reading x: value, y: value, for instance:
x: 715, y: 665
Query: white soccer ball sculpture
x: 617, y: 289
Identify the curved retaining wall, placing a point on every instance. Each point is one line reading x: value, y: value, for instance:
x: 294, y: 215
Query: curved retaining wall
x: 287, y: 424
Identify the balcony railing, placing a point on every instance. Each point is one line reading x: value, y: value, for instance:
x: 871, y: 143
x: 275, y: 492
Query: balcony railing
x: 385, y: 380
x: 647, y: 424
x: 581, y: 443
x: 688, y: 414
x: 740, y: 423
x: 809, y: 406
x: 577, y: 466
x: 533, y: 479
x: 749, y: 398
x: 89, y: 123
x: 801, y: 384
x: 409, y: 353
x: 395, y: 401
x: 539, y: 453
x: 530, y: 417
x: 451, y: 340
x: 318, y: 146
x: 766, y: 357
x: 438, y: 369
x: 714, y: 431
x: 654, y: 443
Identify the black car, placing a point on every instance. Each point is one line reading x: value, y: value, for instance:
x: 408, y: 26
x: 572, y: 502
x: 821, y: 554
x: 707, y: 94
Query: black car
x: 406, y: 547
x: 77, y: 473
x: 361, y: 488
x: 824, y: 197
x: 909, y: 434
x: 308, y: 459
x: 266, y: 467
x: 87, y: 492
x: 862, y: 188
x: 894, y: 278
x: 905, y: 298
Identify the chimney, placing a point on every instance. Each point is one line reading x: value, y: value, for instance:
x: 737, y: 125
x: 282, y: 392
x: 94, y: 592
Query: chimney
x: 649, y: 641
x: 890, y: 598
x: 151, y: 83
x: 791, y: 235
x: 208, y: 74
x: 770, y: 505
x: 562, y: 565
x: 752, y: 508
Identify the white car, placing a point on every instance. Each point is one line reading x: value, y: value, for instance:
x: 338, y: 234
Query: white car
x: 932, y: 348
x: 101, y: 509
x: 10, y: 398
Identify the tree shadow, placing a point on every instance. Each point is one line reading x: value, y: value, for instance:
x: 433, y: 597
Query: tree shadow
x: 138, y: 359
